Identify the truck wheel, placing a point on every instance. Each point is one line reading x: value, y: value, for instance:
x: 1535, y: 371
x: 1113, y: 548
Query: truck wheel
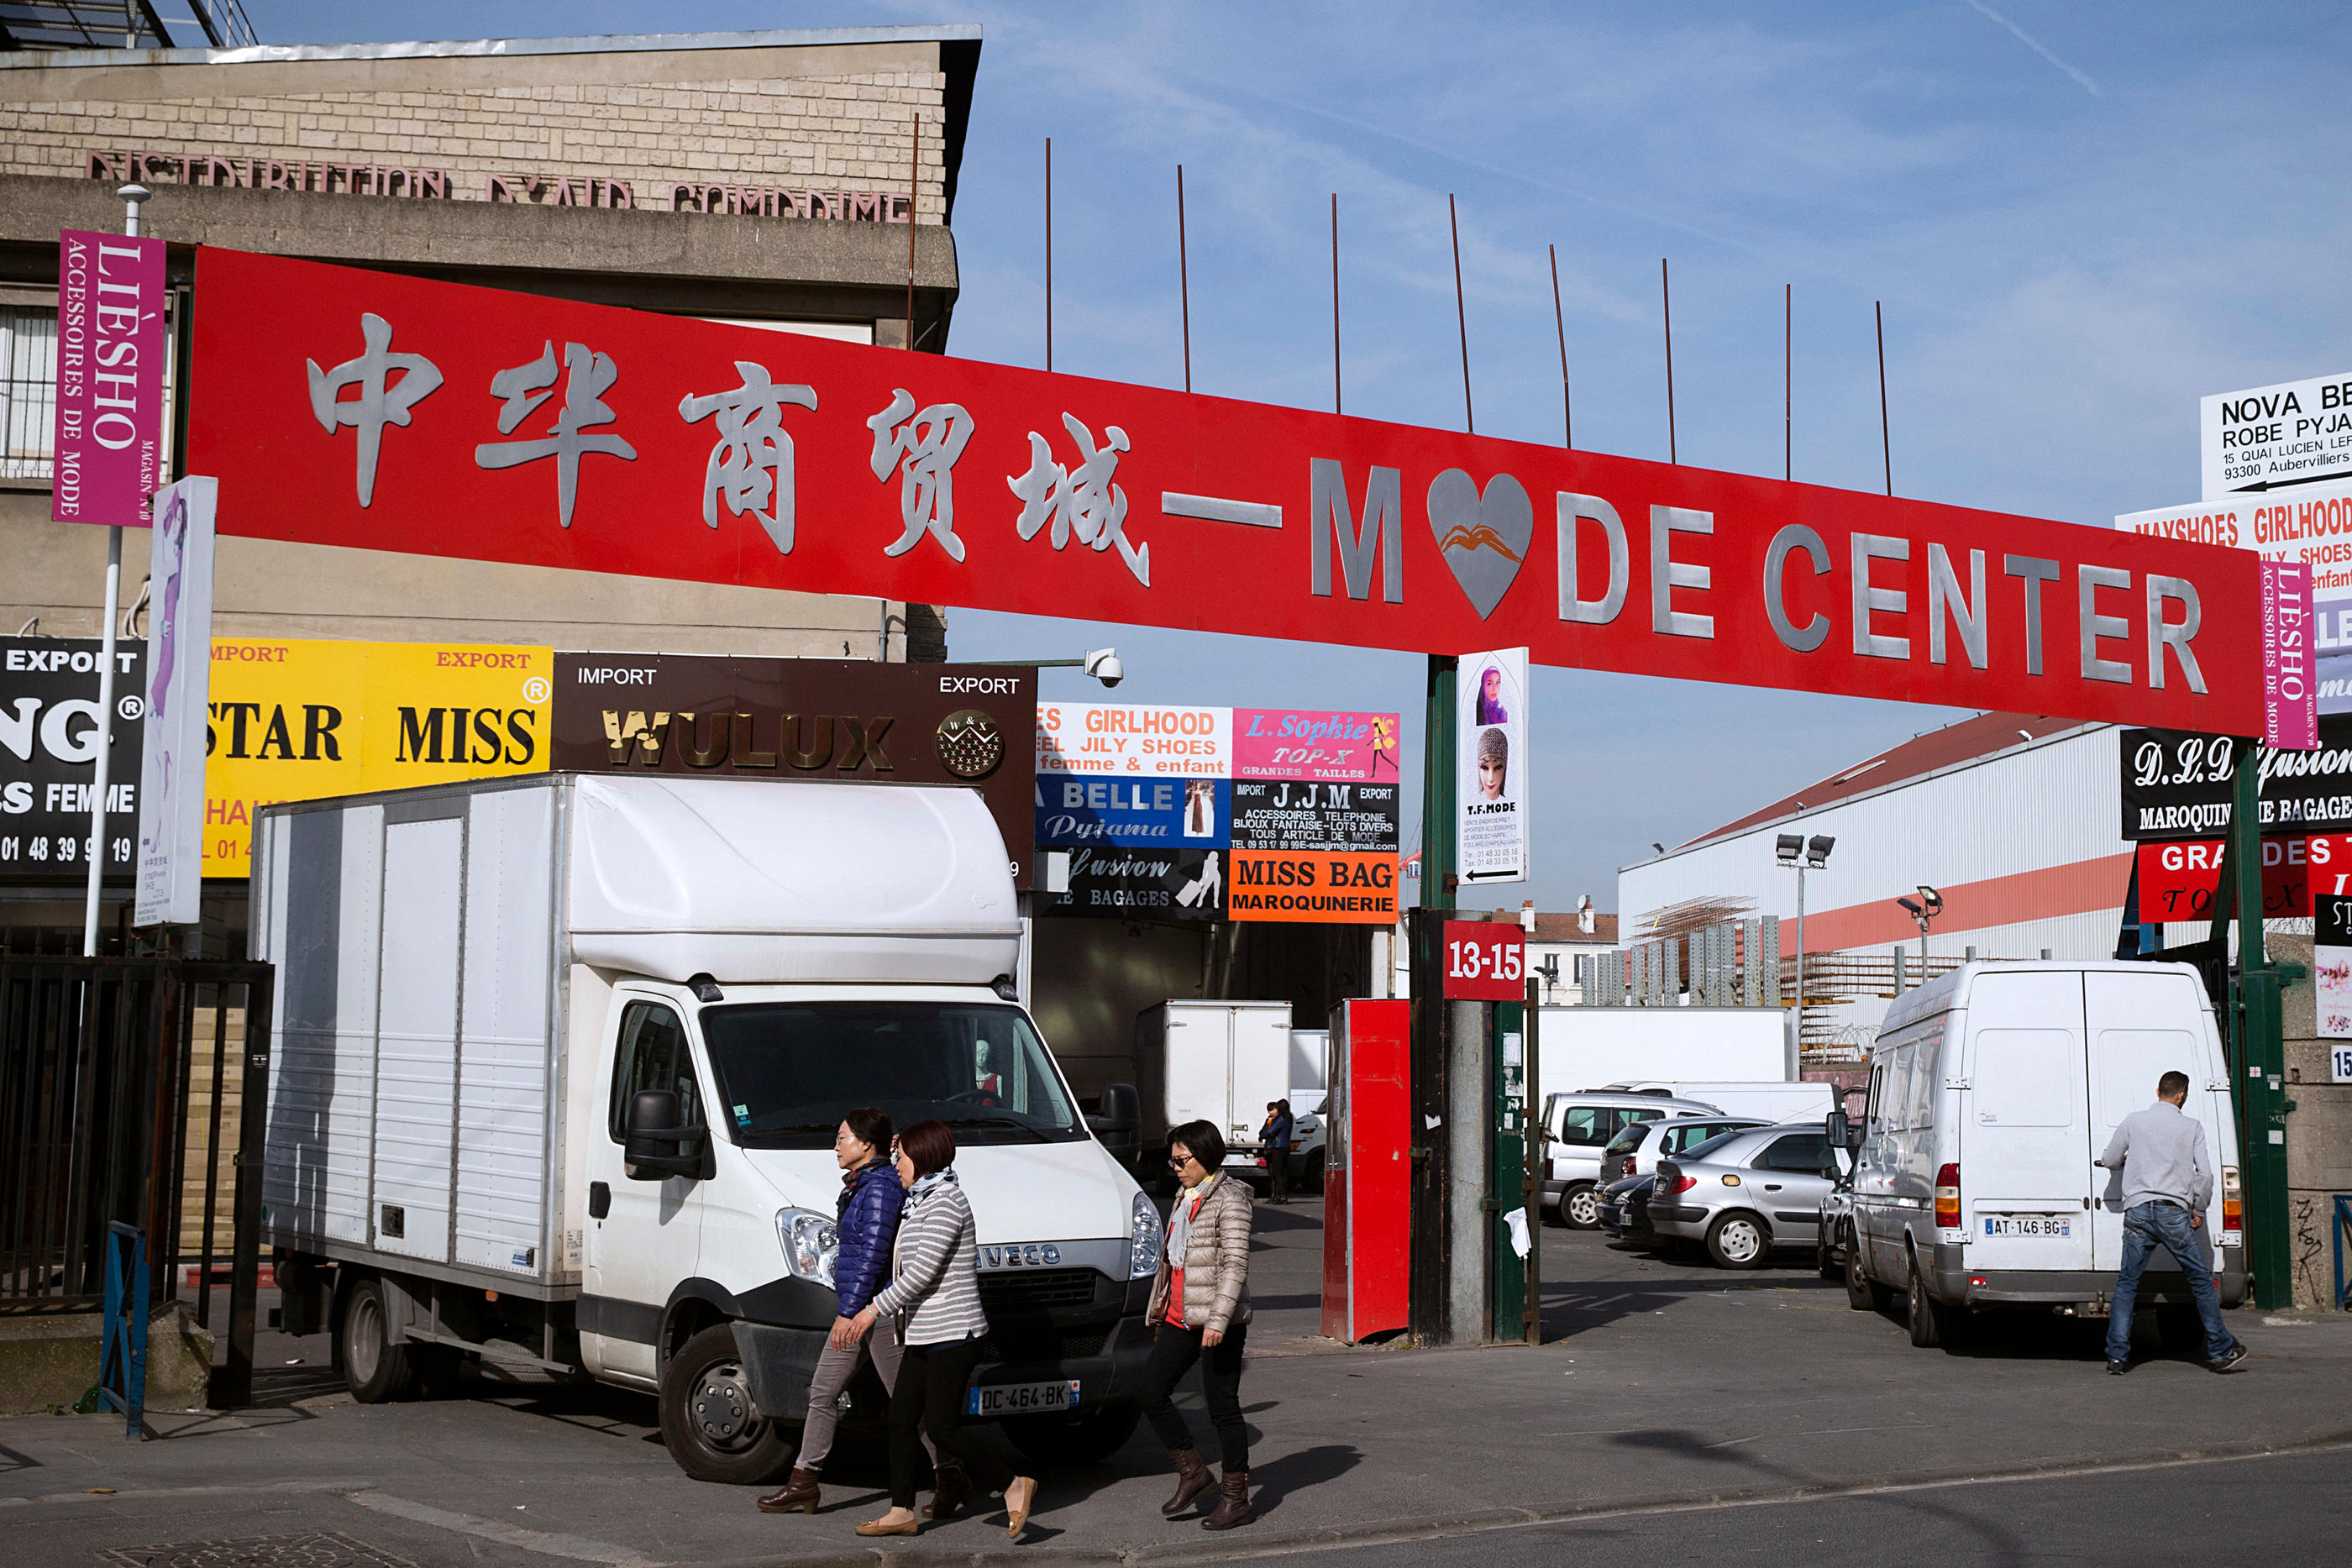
x: 1579, y: 1209
x: 1823, y: 1264
x: 1064, y: 1442
x: 1933, y: 1324
x: 1862, y: 1294
x: 707, y: 1420
x: 1738, y: 1241
x: 374, y: 1368
x: 2182, y: 1331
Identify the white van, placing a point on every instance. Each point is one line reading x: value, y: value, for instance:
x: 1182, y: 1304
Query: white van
x: 1992, y: 1090
x: 559, y: 1062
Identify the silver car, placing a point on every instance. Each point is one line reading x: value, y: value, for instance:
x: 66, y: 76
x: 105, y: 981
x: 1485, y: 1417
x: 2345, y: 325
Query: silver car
x: 1746, y: 1194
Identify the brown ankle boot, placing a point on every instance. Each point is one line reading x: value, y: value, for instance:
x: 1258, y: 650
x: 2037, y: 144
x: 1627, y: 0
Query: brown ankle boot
x: 1233, y: 1502
x: 1192, y: 1479
x: 799, y: 1491
x: 950, y: 1489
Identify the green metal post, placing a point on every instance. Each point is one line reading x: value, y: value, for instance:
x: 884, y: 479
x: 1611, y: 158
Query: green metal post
x: 1437, y: 857
x: 1507, y: 1272
x: 2258, y: 1069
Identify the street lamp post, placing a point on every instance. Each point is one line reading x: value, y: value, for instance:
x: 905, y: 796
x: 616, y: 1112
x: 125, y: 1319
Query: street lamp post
x: 1795, y: 851
x: 1924, y: 909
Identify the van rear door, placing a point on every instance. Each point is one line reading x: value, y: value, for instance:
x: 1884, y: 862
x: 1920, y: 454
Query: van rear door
x: 2142, y: 1026
x: 2025, y: 1169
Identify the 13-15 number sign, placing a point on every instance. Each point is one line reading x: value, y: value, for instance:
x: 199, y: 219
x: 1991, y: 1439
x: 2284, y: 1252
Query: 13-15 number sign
x: 1486, y: 961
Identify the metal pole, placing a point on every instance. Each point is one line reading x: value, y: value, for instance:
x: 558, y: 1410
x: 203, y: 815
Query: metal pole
x: 1049, y: 253
x: 1801, y: 957
x: 1560, y: 325
x: 1666, y: 296
x: 1885, y: 446
x: 1334, y: 304
x: 2262, y: 1052
x: 1788, y: 381
x: 131, y: 196
x: 1437, y: 877
x: 1462, y: 322
x: 914, y: 189
x: 1183, y: 279
x: 1531, y: 1192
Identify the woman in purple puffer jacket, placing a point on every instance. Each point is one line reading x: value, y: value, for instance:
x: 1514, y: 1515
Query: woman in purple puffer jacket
x: 871, y: 1197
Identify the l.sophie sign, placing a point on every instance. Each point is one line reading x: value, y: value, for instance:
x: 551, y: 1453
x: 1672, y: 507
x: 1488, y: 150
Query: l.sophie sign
x: 342, y: 406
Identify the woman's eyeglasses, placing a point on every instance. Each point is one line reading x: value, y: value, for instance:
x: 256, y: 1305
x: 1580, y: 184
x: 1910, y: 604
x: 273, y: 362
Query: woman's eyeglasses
x: 1178, y: 1162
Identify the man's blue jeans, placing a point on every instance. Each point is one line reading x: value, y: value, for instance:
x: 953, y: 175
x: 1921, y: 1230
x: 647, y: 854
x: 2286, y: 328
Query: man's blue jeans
x: 2147, y: 1226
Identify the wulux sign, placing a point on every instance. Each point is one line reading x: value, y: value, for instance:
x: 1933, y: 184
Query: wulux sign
x: 413, y: 415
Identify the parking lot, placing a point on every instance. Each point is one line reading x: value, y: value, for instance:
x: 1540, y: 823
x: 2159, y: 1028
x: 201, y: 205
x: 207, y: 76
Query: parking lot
x: 1667, y: 1390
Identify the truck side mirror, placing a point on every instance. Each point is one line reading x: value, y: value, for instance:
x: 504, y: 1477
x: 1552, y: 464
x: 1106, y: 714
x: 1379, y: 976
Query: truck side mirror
x: 1839, y: 1128
x: 653, y: 1145
x: 1118, y: 1123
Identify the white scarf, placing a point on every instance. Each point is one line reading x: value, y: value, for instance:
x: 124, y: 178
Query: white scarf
x: 1180, y: 1221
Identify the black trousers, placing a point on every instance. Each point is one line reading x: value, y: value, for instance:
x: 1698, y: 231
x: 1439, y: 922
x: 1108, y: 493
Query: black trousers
x: 1173, y: 1352
x: 1277, y: 1175
x: 929, y: 1397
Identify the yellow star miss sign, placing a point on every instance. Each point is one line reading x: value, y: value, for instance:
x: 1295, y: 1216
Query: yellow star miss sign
x: 303, y: 719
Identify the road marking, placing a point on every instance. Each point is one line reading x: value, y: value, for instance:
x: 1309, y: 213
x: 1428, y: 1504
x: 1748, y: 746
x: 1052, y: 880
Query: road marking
x: 343, y: 1484
x: 580, y: 1548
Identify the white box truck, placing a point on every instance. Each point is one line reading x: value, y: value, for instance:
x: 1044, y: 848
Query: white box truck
x: 560, y: 1063
x: 1587, y: 1048
x: 1992, y: 1091
x: 1217, y: 1062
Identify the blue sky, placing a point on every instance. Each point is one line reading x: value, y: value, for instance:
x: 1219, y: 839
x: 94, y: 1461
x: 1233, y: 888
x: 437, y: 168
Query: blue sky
x: 2080, y: 217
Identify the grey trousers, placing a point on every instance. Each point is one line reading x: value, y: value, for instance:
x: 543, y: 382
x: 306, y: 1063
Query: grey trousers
x: 834, y: 1368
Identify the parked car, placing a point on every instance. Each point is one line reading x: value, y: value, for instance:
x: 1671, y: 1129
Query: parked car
x: 1992, y: 1089
x: 1578, y: 1126
x: 1746, y: 1195
x: 1637, y: 1150
x: 1833, y: 1232
x: 1624, y: 1206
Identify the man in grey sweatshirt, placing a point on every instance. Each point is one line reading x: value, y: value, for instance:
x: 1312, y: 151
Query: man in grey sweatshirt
x: 2168, y: 1185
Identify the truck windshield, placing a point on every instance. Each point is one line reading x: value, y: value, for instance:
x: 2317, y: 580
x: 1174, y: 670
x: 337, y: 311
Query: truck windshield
x: 788, y: 1071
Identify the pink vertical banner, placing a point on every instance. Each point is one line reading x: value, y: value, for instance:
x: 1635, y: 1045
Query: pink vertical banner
x: 2290, y: 690
x: 110, y: 431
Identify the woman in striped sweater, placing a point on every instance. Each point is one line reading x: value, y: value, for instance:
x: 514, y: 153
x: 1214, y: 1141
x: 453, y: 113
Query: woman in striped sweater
x: 934, y: 1295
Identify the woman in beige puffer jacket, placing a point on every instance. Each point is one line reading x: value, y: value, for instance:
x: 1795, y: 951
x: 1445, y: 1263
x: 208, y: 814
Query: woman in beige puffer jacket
x: 1200, y: 1312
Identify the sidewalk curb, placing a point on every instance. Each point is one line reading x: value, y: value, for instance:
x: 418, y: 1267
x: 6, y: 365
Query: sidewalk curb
x: 1395, y: 1532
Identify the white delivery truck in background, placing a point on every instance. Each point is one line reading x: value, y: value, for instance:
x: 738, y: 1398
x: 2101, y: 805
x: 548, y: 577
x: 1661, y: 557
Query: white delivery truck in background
x: 1587, y: 1048
x: 560, y: 1060
x: 1769, y: 1102
x: 1214, y: 1062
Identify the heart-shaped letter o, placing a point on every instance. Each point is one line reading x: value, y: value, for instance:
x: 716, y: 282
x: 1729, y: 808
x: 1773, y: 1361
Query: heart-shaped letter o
x: 1483, y: 538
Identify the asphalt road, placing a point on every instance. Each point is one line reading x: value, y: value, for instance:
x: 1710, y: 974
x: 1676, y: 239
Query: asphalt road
x: 1677, y: 1412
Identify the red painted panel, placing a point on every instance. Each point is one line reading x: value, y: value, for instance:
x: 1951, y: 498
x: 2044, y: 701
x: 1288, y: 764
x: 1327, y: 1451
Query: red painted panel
x: 342, y: 406
x: 1367, y: 1217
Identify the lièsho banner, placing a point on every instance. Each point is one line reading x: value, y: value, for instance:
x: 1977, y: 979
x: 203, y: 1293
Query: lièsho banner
x: 108, y: 433
x: 410, y: 414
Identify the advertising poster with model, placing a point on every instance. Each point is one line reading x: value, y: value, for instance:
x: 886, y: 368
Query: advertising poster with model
x: 1490, y: 762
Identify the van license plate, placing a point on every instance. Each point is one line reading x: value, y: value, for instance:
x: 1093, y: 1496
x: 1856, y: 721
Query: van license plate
x: 1020, y: 1398
x: 2058, y: 1226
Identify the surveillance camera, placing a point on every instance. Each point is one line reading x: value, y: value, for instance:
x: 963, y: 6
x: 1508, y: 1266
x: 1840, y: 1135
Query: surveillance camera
x: 1103, y: 665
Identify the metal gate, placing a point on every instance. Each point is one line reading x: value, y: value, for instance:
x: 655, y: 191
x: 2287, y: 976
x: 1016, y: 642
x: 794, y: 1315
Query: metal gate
x: 117, y: 1082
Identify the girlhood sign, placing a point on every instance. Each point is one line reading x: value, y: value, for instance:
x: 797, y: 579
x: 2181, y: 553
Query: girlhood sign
x: 406, y: 414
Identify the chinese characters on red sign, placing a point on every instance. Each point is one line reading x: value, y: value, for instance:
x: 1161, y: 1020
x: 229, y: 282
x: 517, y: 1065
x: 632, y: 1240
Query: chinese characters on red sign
x: 403, y: 414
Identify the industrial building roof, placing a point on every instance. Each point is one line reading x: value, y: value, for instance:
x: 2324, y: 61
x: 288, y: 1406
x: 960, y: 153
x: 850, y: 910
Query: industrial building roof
x: 1965, y: 741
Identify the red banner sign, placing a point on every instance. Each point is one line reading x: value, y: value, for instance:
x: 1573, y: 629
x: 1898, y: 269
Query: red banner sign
x: 1486, y: 961
x: 340, y: 406
x: 2178, y: 881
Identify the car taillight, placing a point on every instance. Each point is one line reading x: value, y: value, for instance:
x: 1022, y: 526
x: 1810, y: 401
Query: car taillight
x: 1682, y: 1184
x: 2233, y: 1207
x: 1947, y: 1196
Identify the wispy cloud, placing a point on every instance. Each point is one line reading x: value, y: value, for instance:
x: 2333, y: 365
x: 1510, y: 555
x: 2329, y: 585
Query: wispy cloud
x: 2037, y: 45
